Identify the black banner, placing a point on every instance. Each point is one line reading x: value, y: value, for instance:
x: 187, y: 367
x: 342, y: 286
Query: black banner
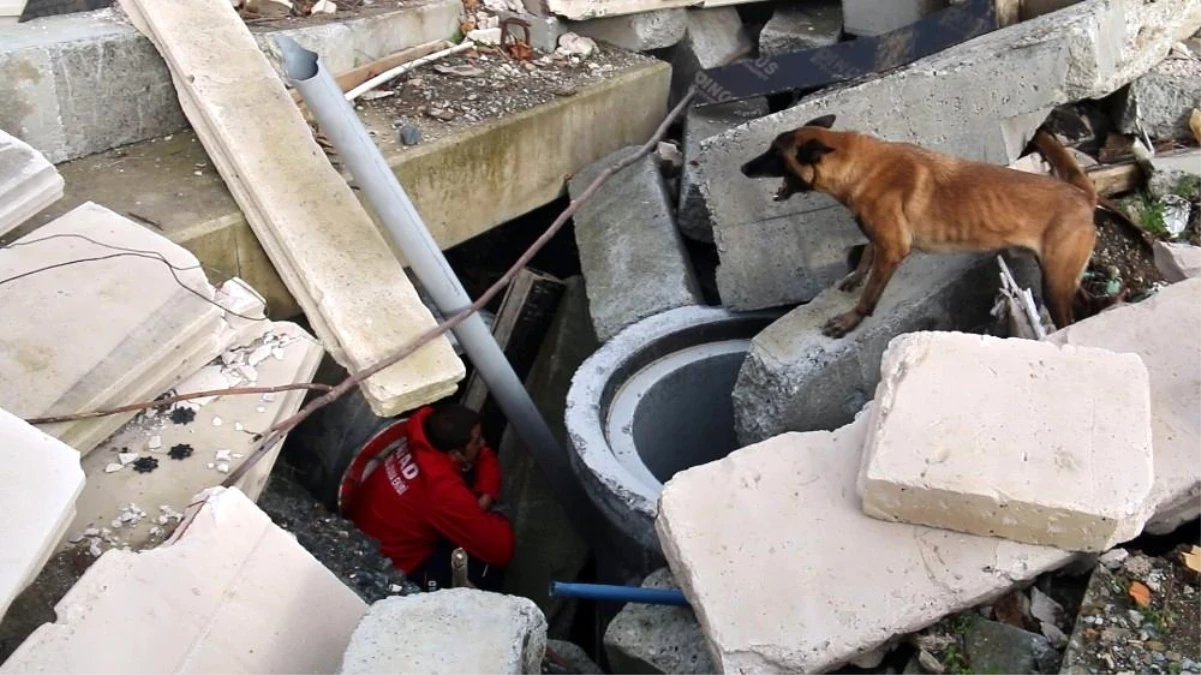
x: 845, y: 61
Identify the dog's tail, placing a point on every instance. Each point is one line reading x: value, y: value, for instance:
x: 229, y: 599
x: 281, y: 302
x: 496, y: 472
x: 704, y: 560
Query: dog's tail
x: 1064, y: 164
x: 1068, y: 169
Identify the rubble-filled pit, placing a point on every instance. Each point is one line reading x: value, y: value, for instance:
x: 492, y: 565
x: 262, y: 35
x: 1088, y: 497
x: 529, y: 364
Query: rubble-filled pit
x: 653, y: 401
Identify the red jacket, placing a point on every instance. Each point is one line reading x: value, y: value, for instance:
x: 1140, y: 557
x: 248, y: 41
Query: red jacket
x: 418, y: 496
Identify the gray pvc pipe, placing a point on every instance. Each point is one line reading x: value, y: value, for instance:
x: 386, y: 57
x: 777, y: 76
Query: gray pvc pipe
x: 383, y: 191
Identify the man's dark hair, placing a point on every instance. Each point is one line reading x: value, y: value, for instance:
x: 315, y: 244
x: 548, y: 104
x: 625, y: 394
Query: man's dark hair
x: 449, y: 427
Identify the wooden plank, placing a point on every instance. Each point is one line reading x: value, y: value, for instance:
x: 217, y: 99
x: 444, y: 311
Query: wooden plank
x: 1113, y: 179
x: 521, y: 324
x: 356, y: 76
x: 315, y: 231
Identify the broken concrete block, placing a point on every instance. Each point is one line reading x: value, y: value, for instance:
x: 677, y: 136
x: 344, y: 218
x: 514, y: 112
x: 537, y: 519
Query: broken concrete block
x: 230, y: 593
x: 544, y: 30
x: 656, y: 638
x: 1177, y: 262
x: 1038, y: 443
x: 802, y: 26
x: 1085, y: 51
x: 714, y: 37
x: 995, y: 647
x: 134, y: 327
x: 637, y: 32
x: 693, y: 217
x: 1163, y: 331
x: 573, y: 656
x: 28, y: 182
x: 796, y: 379
x: 456, y: 630
x: 632, y: 256
x: 191, y: 438
x: 1159, y: 102
x: 42, y: 479
x: 872, y: 17
x: 761, y: 586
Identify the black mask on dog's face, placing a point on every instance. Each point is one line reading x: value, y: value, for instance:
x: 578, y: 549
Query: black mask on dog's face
x: 771, y: 163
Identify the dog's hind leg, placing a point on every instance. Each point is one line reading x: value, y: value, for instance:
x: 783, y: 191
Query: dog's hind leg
x: 852, y: 281
x: 1065, y: 255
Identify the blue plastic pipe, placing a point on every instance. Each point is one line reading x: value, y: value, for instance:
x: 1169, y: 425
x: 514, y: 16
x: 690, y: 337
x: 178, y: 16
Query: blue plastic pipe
x: 646, y: 596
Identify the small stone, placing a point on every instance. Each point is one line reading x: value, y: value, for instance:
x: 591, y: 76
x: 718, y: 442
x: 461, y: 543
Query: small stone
x: 459, y: 71
x: 410, y: 135
x: 929, y: 663
x: 113, y: 467
x: 1173, y: 656
x: 1139, y: 566
x: 224, y: 455
x: 154, y: 443
x: 217, y: 421
x: 1136, y: 617
x: 238, y: 426
x: 1155, y: 646
x: 127, y: 458
x: 1114, y: 559
x: 223, y: 467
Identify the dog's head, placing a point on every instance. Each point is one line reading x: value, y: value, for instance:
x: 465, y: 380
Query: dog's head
x: 794, y: 156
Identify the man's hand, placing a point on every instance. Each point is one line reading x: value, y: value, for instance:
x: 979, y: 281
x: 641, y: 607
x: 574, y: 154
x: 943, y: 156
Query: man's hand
x: 485, y: 502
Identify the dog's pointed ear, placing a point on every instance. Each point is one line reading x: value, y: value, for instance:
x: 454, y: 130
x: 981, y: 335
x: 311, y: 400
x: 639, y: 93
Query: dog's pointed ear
x: 825, y: 122
x: 811, y: 151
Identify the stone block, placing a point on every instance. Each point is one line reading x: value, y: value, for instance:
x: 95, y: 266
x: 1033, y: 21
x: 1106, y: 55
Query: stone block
x: 637, y: 32
x: 994, y: 647
x: 82, y: 83
x: 817, y: 23
x: 1163, y: 331
x: 1160, y: 101
x: 28, y: 182
x: 544, y: 30
x: 657, y: 638
x: 714, y: 37
x: 693, y: 215
x: 872, y: 17
x: 1085, y: 51
x: 456, y: 630
x: 41, y: 478
x: 810, y: 582
x: 1177, y: 261
x: 796, y: 379
x: 1019, y: 439
x: 230, y: 592
x: 631, y: 253
x: 574, y: 656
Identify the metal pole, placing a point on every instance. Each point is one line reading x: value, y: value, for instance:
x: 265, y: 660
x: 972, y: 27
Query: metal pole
x: 646, y: 596
x: 383, y: 191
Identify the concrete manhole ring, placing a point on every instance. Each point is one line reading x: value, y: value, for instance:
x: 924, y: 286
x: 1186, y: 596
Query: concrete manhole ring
x: 652, y: 401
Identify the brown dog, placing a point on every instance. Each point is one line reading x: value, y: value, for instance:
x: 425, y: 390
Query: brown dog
x: 905, y: 198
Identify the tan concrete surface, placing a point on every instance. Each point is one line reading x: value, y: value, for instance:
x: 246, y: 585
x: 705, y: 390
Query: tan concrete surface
x: 28, y: 182
x: 1011, y: 438
x: 230, y: 593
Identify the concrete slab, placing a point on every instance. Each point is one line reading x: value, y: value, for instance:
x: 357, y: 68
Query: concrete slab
x: 229, y: 593
x: 171, y: 183
x: 425, y: 633
x: 28, y: 182
x: 637, y: 32
x: 580, y: 10
x: 656, y: 638
x: 1039, y: 443
x: 870, y: 17
x: 777, y: 253
x: 42, y: 479
x: 810, y: 582
x: 136, y: 326
x: 1177, y: 261
x: 817, y: 23
x: 1162, y: 330
x: 218, y: 436
x: 1160, y: 101
x: 632, y: 256
x: 693, y: 216
x: 796, y: 379
x: 715, y: 36
x: 83, y: 83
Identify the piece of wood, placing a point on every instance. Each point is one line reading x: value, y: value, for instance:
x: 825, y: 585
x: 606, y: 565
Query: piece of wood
x: 356, y: 76
x: 1114, y: 179
x: 315, y: 231
x: 1008, y: 12
x: 524, y: 317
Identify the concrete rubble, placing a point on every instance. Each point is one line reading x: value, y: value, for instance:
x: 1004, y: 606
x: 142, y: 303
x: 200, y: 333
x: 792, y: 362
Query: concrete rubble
x: 656, y: 638
x: 637, y: 32
x: 456, y: 630
x: 632, y: 255
x: 28, y: 182
x: 713, y: 38
x: 1159, y: 101
x: 41, y: 479
x: 775, y: 253
x: 868, y: 17
x: 202, y: 602
x: 1039, y: 443
x: 796, y: 379
x: 1177, y: 262
x: 805, y: 26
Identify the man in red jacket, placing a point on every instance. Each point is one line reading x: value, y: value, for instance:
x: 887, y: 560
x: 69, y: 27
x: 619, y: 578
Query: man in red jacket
x: 422, y: 501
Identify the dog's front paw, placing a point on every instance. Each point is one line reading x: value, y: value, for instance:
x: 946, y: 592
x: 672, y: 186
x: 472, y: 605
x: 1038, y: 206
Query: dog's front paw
x: 842, y: 324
